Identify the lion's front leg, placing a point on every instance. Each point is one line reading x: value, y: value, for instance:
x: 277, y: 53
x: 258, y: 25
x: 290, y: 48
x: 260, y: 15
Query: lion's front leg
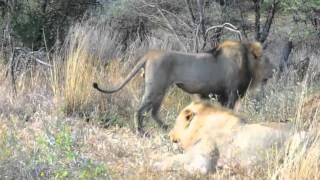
x: 199, y: 159
x: 232, y: 99
x: 172, y: 163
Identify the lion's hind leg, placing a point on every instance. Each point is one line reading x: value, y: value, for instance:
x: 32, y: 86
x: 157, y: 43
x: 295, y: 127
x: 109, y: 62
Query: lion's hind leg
x: 144, y: 107
x: 155, y: 113
x: 150, y: 101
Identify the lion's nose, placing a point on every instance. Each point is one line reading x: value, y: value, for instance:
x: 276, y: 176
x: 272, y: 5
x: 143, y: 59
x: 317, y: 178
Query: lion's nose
x: 172, y: 137
x: 174, y: 140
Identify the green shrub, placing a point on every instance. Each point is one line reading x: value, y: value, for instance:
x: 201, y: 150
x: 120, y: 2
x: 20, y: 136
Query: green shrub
x: 35, y: 21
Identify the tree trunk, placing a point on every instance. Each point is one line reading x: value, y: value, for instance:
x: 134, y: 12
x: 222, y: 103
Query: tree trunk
x: 267, y: 25
x: 263, y: 32
x: 44, y: 6
x: 285, y: 55
x: 257, y: 7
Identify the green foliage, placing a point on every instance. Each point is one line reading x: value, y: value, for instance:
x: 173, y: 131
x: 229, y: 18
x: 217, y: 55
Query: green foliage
x: 304, y: 11
x: 5, y: 146
x: 289, y: 5
x: 117, y: 8
x: 27, y: 22
x: 59, y: 151
x: 53, y: 155
x: 91, y: 170
x: 61, y: 143
x: 33, y: 21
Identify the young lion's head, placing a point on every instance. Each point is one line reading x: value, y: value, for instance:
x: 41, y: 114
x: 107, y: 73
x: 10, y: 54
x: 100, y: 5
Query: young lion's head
x: 200, y: 120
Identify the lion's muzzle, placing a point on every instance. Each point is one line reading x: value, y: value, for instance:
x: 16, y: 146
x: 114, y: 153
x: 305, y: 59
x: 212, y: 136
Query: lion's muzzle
x: 173, y: 138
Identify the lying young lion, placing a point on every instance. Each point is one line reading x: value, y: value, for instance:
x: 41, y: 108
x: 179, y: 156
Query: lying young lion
x: 212, y: 135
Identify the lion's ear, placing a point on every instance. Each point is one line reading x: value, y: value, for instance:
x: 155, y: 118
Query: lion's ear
x: 256, y: 49
x: 188, y: 115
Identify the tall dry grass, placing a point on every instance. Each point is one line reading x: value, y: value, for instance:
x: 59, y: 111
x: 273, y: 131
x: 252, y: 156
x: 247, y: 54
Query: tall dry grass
x: 80, y: 72
x: 301, y: 159
x: 85, y: 55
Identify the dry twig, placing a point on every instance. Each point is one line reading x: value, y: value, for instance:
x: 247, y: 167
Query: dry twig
x: 227, y: 26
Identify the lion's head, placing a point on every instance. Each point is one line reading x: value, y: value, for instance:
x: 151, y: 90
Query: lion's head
x: 250, y: 56
x: 195, y: 122
x: 259, y: 64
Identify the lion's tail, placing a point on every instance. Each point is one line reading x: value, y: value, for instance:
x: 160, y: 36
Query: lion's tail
x: 135, y: 70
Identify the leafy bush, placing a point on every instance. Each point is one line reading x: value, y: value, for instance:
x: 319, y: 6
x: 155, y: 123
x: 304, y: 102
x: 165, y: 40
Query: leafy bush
x: 51, y: 153
x: 34, y: 21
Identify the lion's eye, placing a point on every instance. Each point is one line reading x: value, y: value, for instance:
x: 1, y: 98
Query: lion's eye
x: 190, y: 116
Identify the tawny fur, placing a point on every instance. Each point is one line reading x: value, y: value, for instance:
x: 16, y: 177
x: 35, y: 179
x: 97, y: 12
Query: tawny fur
x: 211, y: 135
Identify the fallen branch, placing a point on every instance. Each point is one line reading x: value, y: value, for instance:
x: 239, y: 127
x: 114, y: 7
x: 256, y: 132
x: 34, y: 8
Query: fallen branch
x: 41, y: 62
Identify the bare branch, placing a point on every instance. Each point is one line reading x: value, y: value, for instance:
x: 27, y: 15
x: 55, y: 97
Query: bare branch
x: 231, y: 25
x: 227, y: 26
x: 188, y: 2
x: 178, y: 18
x: 43, y: 63
x: 167, y: 23
x: 172, y: 29
x: 221, y: 26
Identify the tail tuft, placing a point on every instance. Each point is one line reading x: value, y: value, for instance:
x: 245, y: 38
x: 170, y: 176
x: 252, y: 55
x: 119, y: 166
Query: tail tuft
x: 95, y: 85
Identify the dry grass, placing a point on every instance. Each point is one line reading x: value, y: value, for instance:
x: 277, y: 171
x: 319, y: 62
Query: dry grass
x: 38, y: 141
x: 302, y: 159
x: 79, y: 74
x: 51, y: 145
x: 89, y: 57
x: 45, y: 147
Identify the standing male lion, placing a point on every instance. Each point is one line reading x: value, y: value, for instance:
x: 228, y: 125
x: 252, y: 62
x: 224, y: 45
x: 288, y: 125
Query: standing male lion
x: 226, y: 72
